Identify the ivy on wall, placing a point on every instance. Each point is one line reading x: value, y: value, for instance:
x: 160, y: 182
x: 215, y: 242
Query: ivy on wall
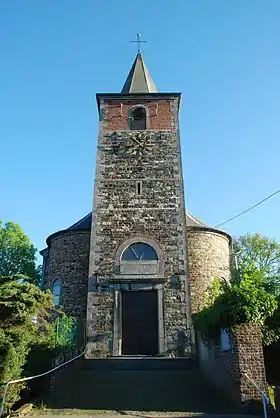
x: 245, y: 299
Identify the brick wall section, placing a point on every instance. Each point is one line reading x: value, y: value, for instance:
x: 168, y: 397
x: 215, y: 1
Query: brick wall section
x: 118, y: 215
x: 209, y: 257
x: 159, y: 114
x: 68, y: 260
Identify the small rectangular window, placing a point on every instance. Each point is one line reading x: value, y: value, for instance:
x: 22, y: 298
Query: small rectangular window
x: 138, y: 188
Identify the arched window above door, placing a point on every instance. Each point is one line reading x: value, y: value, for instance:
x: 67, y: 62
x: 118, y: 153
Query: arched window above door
x: 140, y: 258
x: 138, y: 119
x: 139, y: 251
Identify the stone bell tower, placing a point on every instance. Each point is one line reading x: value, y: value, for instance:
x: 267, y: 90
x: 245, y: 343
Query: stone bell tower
x: 138, y: 295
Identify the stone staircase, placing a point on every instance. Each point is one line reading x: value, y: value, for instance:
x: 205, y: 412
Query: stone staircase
x: 137, y: 384
x: 141, y: 363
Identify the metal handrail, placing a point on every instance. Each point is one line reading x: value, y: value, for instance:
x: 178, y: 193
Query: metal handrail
x: 265, y: 398
x: 33, y: 377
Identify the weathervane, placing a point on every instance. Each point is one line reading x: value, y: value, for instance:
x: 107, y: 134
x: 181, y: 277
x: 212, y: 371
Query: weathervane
x: 139, y: 42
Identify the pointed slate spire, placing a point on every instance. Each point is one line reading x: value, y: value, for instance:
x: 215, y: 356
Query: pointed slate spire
x: 139, y: 79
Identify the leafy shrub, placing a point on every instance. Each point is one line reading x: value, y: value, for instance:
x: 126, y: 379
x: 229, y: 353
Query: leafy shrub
x: 245, y: 300
x: 27, y: 322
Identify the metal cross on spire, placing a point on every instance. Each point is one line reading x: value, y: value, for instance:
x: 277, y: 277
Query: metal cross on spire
x: 139, y: 42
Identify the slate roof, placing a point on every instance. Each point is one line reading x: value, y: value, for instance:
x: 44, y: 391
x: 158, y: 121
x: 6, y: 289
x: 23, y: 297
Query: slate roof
x: 85, y: 223
x: 193, y: 221
x: 139, y: 79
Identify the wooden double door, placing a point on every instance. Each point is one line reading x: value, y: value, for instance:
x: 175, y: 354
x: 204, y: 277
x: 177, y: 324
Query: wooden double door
x: 139, y: 323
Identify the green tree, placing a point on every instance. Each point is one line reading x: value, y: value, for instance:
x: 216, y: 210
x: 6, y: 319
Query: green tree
x: 17, y: 253
x: 24, y: 323
x: 29, y: 324
x: 243, y: 301
x: 261, y: 255
x: 257, y: 253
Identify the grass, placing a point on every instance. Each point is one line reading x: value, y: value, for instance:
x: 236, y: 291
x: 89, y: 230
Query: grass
x: 91, y: 412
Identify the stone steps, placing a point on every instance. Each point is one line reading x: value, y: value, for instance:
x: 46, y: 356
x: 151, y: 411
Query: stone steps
x: 140, y: 363
x: 92, y: 385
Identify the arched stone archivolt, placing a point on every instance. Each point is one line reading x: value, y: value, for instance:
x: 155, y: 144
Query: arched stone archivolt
x: 140, y: 256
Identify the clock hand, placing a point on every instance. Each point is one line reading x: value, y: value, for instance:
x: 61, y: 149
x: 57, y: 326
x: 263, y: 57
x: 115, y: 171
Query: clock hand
x: 141, y: 257
x: 138, y: 142
x: 134, y: 252
x: 133, y: 148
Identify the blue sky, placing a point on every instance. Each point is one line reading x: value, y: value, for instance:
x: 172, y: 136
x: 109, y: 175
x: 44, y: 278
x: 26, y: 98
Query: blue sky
x: 222, y: 55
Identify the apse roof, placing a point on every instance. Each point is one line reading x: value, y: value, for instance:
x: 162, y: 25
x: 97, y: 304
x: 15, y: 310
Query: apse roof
x: 85, y: 222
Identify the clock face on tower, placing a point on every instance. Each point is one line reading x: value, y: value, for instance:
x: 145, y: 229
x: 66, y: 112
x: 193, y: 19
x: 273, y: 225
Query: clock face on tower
x: 139, y: 144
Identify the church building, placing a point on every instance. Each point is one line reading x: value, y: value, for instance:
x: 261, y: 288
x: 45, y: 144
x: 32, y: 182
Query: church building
x: 133, y: 270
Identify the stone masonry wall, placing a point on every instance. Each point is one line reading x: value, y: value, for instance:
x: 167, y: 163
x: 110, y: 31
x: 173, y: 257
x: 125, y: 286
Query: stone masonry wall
x: 209, y: 257
x: 248, y: 341
x: 230, y: 369
x: 99, y: 321
x: 221, y: 367
x: 119, y: 214
x: 68, y: 260
x: 160, y: 115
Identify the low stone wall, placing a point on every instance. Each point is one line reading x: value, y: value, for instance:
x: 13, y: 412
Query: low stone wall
x: 59, y: 374
x: 250, y: 360
x: 220, y: 367
x: 231, y: 370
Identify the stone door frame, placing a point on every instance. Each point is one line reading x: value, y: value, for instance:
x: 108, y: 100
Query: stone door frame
x: 135, y: 286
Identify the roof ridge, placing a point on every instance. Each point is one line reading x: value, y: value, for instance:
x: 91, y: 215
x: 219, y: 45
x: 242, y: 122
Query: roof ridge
x: 133, y: 74
x: 144, y: 70
x: 195, y: 220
